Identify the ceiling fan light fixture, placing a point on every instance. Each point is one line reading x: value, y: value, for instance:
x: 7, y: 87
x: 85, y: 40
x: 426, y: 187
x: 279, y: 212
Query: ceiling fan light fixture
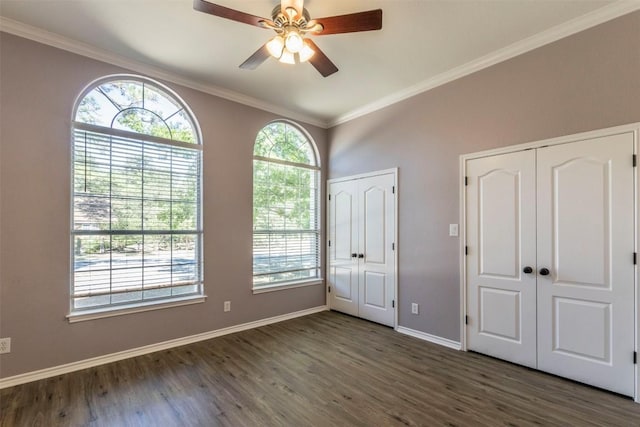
x: 294, y: 41
x: 306, y: 53
x: 287, y: 57
x: 275, y: 46
x: 291, y: 23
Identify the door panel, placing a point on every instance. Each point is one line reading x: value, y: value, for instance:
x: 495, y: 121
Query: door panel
x: 505, y: 322
x: 592, y: 316
x: 343, y: 283
x: 577, y: 230
x: 374, y: 224
x: 376, y: 236
x: 585, y: 238
x: 501, y: 299
x: 374, y: 290
x: 498, y: 223
x: 343, y: 268
x: 343, y: 225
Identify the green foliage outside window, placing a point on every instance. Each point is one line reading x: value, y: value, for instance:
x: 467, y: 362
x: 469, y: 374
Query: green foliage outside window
x: 136, y: 191
x: 285, y: 206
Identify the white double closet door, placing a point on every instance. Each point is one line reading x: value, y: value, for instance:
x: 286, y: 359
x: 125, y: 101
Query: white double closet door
x: 550, y: 263
x: 361, y: 243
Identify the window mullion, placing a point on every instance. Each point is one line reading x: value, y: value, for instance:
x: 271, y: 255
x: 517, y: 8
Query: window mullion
x: 171, y: 238
x: 142, y: 223
x: 110, y: 219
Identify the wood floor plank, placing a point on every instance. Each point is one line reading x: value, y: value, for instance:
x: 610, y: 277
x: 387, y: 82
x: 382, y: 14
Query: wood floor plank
x: 326, y: 369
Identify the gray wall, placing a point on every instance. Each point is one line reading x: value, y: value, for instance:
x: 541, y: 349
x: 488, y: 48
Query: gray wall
x: 587, y: 81
x: 38, y: 86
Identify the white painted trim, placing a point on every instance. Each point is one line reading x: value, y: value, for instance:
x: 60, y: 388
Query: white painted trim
x: 632, y: 127
x: 397, y: 244
x: 551, y: 35
x: 636, y: 146
x: 394, y: 172
x: 290, y: 285
x: 462, y: 263
x: 428, y: 337
x: 139, y: 351
x: 45, y: 37
x: 598, y: 133
x: 365, y: 175
x: 101, y: 313
x: 599, y: 16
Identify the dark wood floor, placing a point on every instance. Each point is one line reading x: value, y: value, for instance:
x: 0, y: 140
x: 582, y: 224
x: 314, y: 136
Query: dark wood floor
x: 321, y: 370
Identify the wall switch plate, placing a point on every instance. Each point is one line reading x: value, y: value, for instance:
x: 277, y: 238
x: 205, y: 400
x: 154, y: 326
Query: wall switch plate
x: 227, y: 306
x: 414, y: 308
x: 5, y: 345
x: 453, y: 230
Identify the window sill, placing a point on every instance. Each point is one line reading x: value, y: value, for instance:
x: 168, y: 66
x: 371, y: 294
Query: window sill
x: 81, y: 316
x: 285, y: 286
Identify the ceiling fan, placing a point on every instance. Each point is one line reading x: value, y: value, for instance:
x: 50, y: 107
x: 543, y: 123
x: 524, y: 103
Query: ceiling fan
x: 292, y: 22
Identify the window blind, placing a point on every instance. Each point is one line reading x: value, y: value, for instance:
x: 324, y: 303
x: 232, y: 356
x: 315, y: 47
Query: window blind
x: 137, y: 232
x: 286, y: 236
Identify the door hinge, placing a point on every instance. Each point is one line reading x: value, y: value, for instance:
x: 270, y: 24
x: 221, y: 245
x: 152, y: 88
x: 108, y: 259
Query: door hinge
x: 466, y: 250
x: 329, y: 289
x: 635, y: 357
x: 635, y: 160
x: 466, y: 180
x: 393, y: 303
x: 329, y: 197
x: 329, y: 243
x: 393, y: 246
x: 466, y: 319
x: 393, y: 190
x: 635, y: 258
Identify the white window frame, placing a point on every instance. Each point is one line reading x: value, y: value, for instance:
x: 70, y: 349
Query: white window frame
x: 77, y: 315
x: 297, y: 283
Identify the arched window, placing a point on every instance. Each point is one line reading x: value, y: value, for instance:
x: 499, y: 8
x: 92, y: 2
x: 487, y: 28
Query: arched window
x: 137, y: 227
x: 286, y: 231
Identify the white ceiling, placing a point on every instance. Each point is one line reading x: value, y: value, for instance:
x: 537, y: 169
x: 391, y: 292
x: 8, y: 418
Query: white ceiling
x: 422, y: 43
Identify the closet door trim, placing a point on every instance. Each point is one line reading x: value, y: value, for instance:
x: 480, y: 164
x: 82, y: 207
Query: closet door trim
x: 633, y: 128
x: 394, y: 172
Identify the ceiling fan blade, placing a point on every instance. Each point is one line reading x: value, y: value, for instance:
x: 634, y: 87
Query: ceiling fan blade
x: 351, y: 23
x: 256, y: 59
x: 320, y: 61
x: 298, y: 5
x: 225, y: 12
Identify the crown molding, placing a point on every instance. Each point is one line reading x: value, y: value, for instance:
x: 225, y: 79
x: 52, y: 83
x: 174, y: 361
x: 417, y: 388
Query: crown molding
x: 55, y: 40
x: 551, y: 35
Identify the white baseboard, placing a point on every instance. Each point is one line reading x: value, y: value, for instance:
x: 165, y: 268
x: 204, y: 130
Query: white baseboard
x: 431, y: 338
x: 139, y: 351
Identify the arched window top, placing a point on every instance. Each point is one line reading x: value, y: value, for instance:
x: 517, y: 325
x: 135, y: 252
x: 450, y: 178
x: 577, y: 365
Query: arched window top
x: 137, y: 105
x: 284, y: 141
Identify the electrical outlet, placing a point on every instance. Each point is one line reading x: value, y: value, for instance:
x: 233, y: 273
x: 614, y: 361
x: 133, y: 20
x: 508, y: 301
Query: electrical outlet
x: 227, y: 306
x: 414, y: 308
x: 5, y: 345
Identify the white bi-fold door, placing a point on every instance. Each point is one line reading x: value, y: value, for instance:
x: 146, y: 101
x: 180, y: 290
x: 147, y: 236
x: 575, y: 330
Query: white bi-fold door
x: 550, y: 263
x: 361, y: 244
